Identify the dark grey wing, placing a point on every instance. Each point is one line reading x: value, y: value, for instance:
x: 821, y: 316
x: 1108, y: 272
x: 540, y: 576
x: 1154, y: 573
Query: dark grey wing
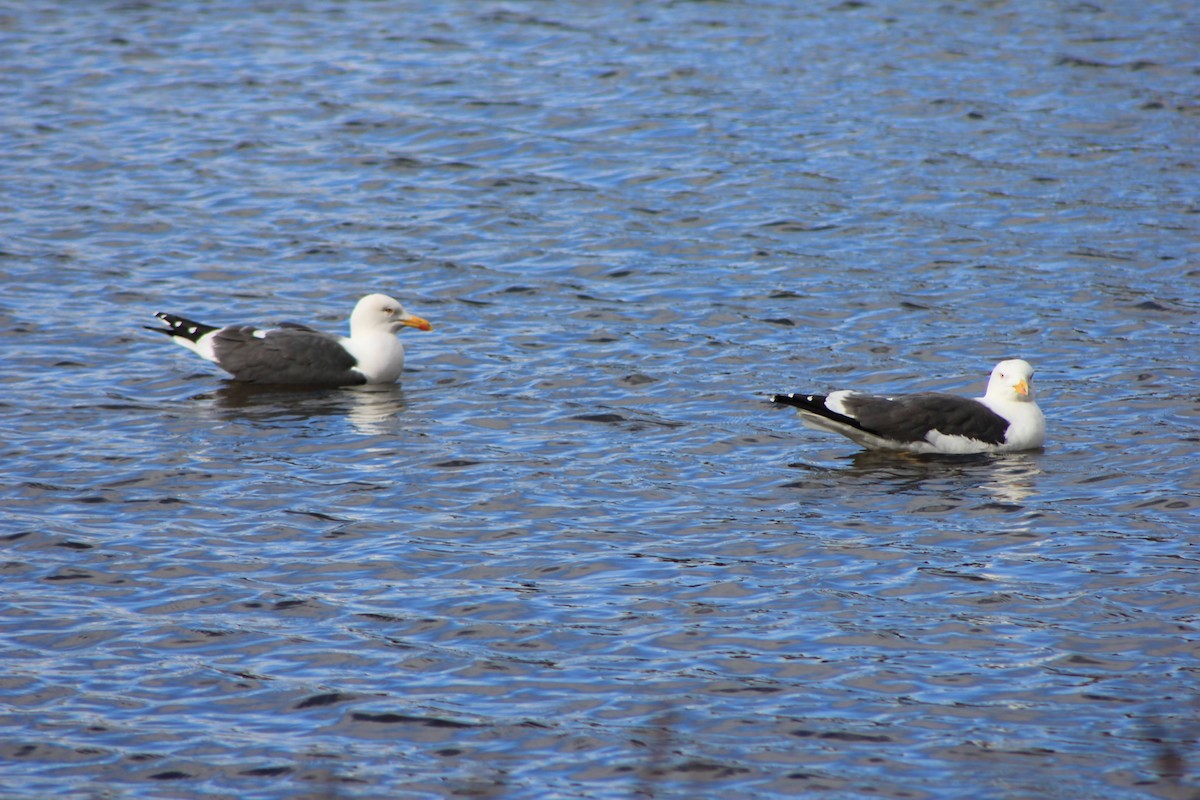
x: 294, y: 354
x: 910, y: 418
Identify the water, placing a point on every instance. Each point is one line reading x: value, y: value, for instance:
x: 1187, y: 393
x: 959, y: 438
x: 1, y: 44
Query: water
x: 575, y: 554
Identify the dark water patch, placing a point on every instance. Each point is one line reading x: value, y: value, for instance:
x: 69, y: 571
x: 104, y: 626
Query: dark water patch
x: 607, y: 419
x: 71, y: 545
x: 405, y: 719
x: 70, y: 575
x: 330, y: 698
x: 266, y: 772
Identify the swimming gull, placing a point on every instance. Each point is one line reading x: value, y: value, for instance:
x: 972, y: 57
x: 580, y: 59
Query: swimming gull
x: 297, y: 354
x: 1005, y: 419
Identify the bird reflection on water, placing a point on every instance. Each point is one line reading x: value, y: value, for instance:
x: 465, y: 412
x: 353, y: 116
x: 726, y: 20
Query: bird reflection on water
x: 368, y: 408
x: 1010, y: 478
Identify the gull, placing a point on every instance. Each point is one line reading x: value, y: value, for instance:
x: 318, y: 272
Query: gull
x: 299, y: 355
x: 1006, y: 419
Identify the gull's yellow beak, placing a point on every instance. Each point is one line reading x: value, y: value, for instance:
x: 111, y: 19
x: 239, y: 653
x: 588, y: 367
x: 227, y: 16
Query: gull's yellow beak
x: 413, y: 321
x: 1021, y: 387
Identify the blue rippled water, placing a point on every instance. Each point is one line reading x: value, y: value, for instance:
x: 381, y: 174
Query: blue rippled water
x: 575, y: 554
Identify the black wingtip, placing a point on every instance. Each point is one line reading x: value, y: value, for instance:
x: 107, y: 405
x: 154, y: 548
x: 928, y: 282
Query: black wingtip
x: 797, y: 400
x: 181, y: 327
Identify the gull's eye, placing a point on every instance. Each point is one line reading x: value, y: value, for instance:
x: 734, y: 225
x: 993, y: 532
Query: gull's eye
x: 389, y: 310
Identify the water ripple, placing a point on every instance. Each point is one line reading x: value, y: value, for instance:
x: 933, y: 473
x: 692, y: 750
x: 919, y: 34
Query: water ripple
x: 575, y: 553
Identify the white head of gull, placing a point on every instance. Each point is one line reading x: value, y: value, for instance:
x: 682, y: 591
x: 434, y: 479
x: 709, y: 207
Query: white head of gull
x: 294, y: 354
x: 1006, y: 419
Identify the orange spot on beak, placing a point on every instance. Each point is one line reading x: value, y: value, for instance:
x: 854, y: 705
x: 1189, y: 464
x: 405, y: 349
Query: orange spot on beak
x: 1021, y: 388
x: 413, y: 321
